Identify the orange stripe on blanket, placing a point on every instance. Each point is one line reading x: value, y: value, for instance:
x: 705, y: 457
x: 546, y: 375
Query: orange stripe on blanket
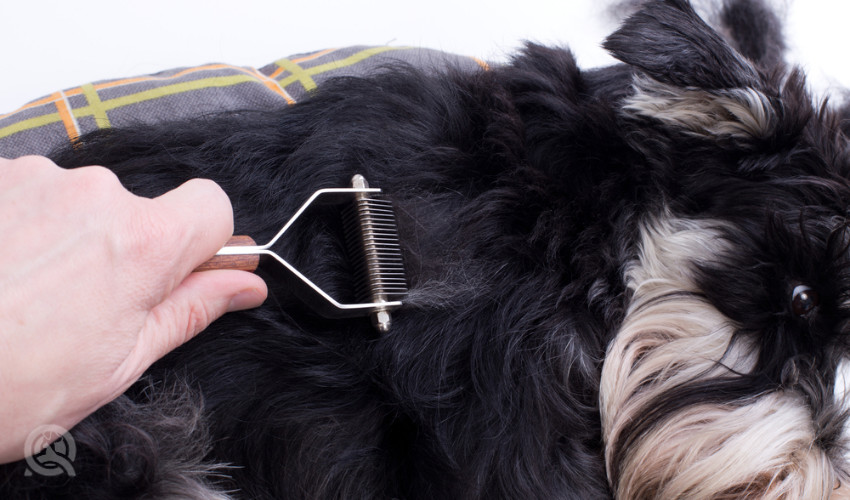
x: 312, y: 56
x: 273, y: 85
x: 187, y: 71
x: 481, y: 63
x: 68, y: 119
x: 34, y: 104
x: 52, y: 98
x: 297, y: 60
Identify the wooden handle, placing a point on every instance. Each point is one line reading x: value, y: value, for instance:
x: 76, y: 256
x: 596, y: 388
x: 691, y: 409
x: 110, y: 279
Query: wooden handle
x: 247, y: 262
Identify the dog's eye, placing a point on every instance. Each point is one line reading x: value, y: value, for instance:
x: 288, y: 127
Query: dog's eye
x: 803, y: 300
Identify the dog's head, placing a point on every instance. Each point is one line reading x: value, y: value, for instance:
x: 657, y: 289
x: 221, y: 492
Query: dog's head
x: 726, y: 379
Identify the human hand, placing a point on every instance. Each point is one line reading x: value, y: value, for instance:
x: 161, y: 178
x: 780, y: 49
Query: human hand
x: 96, y: 284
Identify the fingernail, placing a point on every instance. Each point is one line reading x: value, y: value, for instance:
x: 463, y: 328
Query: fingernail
x: 246, y: 299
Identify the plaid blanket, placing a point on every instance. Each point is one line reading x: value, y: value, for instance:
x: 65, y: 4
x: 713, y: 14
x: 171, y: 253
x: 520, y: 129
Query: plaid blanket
x: 45, y: 124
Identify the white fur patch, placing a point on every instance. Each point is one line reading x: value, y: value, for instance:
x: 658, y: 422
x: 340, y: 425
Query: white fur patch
x: 739, y: 113
x: 672, y: 336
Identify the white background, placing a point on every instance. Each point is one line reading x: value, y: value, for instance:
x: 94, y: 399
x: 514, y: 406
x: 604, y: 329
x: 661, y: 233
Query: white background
x: 49, y: 45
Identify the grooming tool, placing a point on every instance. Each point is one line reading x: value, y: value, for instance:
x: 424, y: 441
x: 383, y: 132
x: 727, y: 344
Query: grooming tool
x: 372, y: 237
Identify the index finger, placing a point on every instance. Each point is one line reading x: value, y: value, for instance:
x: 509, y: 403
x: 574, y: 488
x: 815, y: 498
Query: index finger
x: 181, y: 229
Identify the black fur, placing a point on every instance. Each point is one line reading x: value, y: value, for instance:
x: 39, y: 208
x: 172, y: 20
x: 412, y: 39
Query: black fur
x: 519, y: 192
x: 755, y: 31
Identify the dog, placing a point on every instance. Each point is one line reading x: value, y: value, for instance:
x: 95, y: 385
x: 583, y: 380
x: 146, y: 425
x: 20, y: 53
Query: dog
x: 628, y: 282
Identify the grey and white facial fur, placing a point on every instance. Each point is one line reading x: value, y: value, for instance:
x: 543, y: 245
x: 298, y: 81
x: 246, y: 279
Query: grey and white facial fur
x: 628, y: 282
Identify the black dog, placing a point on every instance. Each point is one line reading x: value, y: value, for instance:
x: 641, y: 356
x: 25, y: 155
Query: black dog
x: 628, y: 282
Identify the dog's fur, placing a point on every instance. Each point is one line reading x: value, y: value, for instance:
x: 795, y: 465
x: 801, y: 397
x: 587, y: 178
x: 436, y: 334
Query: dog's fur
x: 602, y: 264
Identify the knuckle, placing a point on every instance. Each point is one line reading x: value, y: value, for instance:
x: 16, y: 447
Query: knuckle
x: 212, y: 192
x: 33, y: 161
x: 26, y: 168
x: 96, y: 181
x: 202, y: 183
x: 197, y: 318
x: 176, y: 322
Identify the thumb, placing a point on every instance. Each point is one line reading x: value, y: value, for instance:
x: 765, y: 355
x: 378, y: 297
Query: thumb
x: 198, y: 301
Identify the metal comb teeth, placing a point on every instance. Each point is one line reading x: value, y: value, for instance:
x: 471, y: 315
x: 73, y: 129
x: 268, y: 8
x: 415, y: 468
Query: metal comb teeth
x: 373, y: 237
x: 379, y: 279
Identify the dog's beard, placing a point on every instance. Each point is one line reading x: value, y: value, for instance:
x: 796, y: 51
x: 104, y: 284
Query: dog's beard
x: 667, y: 436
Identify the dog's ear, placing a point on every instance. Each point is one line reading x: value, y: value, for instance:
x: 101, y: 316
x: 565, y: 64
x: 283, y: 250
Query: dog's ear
x: 689, y: 77
x: 755, y: 29
x: 844, y: 117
